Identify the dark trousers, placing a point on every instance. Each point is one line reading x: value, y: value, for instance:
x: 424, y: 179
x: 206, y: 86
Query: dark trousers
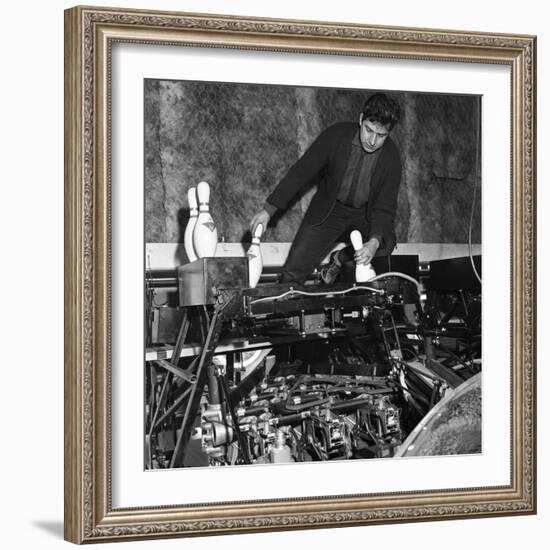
x: 313, y: 242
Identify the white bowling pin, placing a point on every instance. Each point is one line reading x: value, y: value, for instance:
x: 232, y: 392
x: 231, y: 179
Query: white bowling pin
x: 363, y: 272
x: 255, y: 263
x: 205, y: 235
x: 193, y: 213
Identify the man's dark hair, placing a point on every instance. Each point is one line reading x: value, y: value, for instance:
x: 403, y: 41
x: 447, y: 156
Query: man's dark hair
x: 382, y: 109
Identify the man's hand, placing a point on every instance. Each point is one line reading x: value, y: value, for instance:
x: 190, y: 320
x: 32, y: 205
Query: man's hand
x: 261, y: 217
x: 366, y: 254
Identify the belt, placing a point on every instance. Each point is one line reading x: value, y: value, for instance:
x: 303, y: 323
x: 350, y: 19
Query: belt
x: 350, y: 206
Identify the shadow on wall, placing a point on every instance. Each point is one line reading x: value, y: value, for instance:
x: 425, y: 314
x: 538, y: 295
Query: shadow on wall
x: 183, y: 220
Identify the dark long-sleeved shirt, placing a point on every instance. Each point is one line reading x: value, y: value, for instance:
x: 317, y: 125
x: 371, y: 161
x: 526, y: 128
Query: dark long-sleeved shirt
x: 325, y: 163
x: 355, y: 187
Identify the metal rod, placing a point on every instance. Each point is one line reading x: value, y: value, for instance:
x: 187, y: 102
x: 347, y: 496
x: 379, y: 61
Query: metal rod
x: 173, y: 408
x: 180, y: 341
x: 210, y: 344
x: 444, y: 372
x: 161, y: 402
x: 180, y: 373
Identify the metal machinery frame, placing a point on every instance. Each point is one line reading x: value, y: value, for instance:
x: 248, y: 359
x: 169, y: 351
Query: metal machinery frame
x: 282, y: 373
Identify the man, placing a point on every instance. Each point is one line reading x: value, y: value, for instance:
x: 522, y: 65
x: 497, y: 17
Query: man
x: 358, y: 171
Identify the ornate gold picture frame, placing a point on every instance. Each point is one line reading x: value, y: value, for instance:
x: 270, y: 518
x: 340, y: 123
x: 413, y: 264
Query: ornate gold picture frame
x: 90, y: 34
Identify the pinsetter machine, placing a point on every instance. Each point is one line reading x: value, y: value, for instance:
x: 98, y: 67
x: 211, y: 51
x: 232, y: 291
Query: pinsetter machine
x: 278, y: 373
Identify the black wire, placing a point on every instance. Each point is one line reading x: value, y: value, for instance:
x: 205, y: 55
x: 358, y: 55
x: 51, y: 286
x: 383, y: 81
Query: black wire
x: 242, y: 443
x: 224, y: 411
x: 299, y: 450
x: 413, y: 353
x: 454, y: 356
x: 477, y: 168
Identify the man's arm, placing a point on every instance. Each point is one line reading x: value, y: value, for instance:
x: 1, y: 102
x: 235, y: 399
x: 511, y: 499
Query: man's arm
x: 384, y: 209
x: 302, y: 171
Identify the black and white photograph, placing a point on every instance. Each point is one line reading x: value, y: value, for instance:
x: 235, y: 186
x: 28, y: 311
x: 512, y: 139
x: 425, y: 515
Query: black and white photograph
x: 312, y: 274
x: 276, y: 228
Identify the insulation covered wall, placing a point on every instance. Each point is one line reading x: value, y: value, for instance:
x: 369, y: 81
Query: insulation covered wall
x: 242, y: 138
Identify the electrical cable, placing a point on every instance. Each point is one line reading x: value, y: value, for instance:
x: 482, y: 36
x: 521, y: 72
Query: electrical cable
x: 457, y: 358
x: 401, y: 276
x: 335, y: 292
x: 473, y: 206
x: 305, y: 293
x: 416, y: 370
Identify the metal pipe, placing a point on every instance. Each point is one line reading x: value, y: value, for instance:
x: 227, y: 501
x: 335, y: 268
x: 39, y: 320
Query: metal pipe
x: 213, y: 386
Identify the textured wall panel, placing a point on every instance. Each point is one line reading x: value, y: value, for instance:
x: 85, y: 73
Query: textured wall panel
x: 439, y: 149
x: 155, y: 217
x: 242, y: 138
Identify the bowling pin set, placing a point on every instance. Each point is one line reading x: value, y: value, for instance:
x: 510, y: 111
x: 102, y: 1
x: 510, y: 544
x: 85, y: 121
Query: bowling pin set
x: 201, y: 235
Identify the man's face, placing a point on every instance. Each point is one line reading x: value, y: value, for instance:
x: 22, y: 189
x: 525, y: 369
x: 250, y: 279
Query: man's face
x: 372, y: 134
